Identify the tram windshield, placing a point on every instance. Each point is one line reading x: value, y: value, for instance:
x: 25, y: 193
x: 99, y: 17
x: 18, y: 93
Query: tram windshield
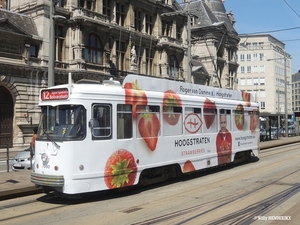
x: 62, y: 123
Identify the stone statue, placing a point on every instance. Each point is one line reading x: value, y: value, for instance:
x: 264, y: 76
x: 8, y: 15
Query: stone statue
x: 133, y: 55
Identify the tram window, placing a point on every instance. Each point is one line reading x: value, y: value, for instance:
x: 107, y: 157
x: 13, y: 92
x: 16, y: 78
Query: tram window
x: 143, y: 111
x: 172, y: 120
x: 63, y: 122
x: 239, y: 118
x: 254, y: 124
x: 192, y: 120
x: 251, y: 118
x: 101, y: 124
x: 225, y: 119
x: 124, y: 121
x: 210, y: 121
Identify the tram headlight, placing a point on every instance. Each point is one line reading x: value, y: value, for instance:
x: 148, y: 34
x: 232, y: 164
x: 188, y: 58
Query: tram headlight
x: 45, y: 158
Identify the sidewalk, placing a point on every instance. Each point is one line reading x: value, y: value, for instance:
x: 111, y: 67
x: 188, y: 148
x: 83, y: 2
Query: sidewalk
x: 16, y: 184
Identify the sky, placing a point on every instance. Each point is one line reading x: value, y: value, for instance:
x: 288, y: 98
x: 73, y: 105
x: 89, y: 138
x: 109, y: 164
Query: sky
x: 279, y: 18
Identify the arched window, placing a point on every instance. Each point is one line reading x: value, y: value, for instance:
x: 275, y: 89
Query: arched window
x: 173, y: 67
x: 93, y: 51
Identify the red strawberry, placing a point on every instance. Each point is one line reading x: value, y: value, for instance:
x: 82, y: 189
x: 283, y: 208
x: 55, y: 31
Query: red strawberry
x: 239, y: 117
x: 134, y: 96
x: 171, y: 99
x: 188, y: 167
x: 149, y: 127
x: 253, y: 120
x: 247, y: 98
x: 209, y: 109
x: 120, y: 169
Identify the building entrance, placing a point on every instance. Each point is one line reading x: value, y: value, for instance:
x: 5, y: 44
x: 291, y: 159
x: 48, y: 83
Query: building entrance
x: 6, y: 118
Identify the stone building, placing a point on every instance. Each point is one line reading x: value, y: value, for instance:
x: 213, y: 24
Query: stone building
x: 93, y: 40
x: 101, y: 39
x: 21, y: 76
x: 214, y: 43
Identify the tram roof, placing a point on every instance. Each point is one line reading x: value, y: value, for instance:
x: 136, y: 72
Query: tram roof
x: 146, y: 83
x: 161, y: 85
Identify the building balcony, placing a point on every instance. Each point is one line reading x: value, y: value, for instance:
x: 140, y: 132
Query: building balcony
x: 169, y: 41
x: 85, y: 14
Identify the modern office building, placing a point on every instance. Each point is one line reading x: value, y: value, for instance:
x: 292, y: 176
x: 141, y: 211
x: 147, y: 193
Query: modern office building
x: 296, y: 94
x: 265, y: 71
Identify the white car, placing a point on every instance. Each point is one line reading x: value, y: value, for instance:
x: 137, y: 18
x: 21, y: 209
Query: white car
x: 22, y: 161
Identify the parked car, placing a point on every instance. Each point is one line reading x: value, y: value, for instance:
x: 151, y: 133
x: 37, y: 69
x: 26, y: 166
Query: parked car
x: 275, y: 132
x: 21, y: 161
x: 291, y: 131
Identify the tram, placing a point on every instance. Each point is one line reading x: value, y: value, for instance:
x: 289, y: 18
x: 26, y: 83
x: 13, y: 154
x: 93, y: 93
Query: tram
x: 100, y: 136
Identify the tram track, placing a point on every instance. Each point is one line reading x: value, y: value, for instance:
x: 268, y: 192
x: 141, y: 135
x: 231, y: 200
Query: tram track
x: 245, y: 215
x: 187, y: 215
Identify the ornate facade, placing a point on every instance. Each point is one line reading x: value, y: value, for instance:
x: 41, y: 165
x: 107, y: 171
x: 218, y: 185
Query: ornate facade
x: 102, y: 39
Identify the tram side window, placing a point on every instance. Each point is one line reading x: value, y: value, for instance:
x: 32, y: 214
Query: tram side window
x: 239, y: 118
x: 124, y: 121
x: 254, y: 118
x: 172, y: 120
x: 192, y: 120
x: 101, y: 123
x: 248, y: 123
x: 225, y: 120
x: 148, y: 121
x: 210, y: 121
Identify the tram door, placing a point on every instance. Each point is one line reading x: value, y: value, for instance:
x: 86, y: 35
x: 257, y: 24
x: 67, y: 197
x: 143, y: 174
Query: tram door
x: 6, y: 118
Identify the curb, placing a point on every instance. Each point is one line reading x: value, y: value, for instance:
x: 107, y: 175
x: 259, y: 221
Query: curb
x: 278, y: 143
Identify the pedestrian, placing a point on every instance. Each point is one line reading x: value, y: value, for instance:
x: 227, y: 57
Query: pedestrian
x: 32, y: 143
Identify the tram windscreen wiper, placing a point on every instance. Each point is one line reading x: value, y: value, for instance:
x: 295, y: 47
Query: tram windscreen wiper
x: 50, y: 139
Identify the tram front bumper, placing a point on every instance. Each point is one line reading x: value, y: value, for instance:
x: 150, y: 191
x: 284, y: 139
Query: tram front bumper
x: 47, y: 180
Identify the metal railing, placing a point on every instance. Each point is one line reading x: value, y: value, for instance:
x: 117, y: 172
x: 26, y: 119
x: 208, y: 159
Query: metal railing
x: 6, y: 157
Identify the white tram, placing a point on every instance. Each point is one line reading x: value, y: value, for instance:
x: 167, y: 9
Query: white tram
x: 94, y: 137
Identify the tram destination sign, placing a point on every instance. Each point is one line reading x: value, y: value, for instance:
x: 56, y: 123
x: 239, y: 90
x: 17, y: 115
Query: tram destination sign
x: 54, y: 94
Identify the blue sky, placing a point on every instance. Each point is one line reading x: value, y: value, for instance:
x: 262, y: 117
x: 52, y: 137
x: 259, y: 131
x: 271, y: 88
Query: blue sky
x: 267, y: 16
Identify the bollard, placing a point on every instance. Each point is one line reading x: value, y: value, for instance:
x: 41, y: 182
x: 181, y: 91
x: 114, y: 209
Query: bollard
x: 7, y: 157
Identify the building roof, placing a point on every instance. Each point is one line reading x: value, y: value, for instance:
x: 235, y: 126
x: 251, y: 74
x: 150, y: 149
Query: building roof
x: 209, y: 13
x: 19, y: 23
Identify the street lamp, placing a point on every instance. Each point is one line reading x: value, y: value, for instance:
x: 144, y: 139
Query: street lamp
x: 189, y: 44
x: 51, y: 72
x: 51, y: 47
x: 285, y: 97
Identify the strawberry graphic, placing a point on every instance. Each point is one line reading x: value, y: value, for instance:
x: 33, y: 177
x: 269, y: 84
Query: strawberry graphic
x: 171, y: 99
x: 209, y: 109
x: 253, y: 120
x: 149, y: 127
x: 239, y: 117
x: 188, y: 167
x: 120, y: 169
x: 134, y: 96
x: 246, y: 97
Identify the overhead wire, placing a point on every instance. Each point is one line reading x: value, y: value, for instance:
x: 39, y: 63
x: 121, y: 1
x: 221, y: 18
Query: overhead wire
x: 291, y: 8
